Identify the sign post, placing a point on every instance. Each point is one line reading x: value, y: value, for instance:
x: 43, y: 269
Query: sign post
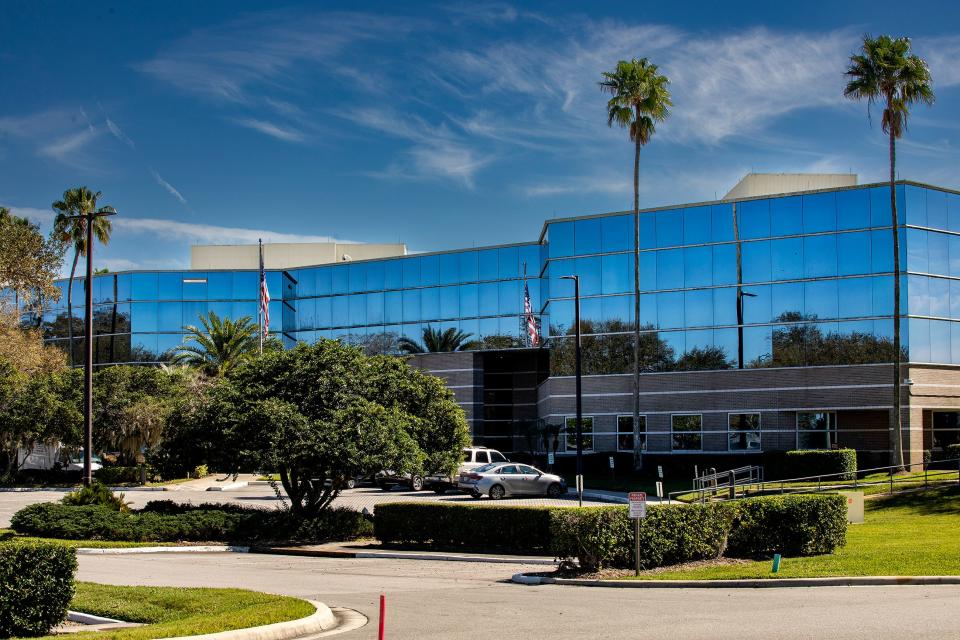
x: 638, y: 511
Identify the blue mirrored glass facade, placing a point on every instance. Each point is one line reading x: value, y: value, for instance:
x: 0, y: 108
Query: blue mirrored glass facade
x: 793, y: 280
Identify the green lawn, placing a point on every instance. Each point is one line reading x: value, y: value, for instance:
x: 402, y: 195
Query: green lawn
x: 168, y: 611
x: 10, y: 534
x: 913, y: 534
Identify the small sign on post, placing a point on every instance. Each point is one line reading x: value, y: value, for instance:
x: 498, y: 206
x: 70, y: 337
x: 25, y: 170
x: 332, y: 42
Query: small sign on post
x: 611, y: 462
x: 638, y: 511
x: 550, y: 457
x: 660, y: 471
x: 660, y: 490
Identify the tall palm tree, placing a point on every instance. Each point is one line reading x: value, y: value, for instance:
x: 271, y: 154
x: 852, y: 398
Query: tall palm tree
x: 639, y: 99
x: 436, y: 341
x: 886, y: 71
x: 221, y: 345
x: 77, y: 202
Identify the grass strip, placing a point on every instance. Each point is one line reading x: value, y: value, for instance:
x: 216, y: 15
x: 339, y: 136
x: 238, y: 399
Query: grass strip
x: 171, y: 611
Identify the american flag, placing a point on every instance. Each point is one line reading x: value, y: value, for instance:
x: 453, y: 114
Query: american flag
x: 264, y: 298
x: 532, y: 332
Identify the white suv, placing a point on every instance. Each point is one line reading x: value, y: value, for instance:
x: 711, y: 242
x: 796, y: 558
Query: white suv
x: 473, y: 457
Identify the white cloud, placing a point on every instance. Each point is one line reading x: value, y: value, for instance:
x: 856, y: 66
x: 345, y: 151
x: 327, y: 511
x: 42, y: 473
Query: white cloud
x: 65, y: 148
x: 941, y: 53
x: 42, y: 217
x: 273, y: 130
x: 118, y: 133
x: 168, y: 187
x: 208, y: 234
x: 622, y: 186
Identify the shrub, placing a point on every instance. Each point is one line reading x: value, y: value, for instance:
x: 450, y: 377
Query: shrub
x: 953, y: 451
x: 164, y: 521
x: 124, y: 475
x: 37, y: 586
x: 822, y: 462
x: 794, y: 525
x: 671, y: 534
x: 96, y: 494
x: 200, y: 471
x: 464, y: 527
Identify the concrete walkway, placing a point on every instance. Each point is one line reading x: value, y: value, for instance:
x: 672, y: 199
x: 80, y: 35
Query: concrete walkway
x: 373, y: 550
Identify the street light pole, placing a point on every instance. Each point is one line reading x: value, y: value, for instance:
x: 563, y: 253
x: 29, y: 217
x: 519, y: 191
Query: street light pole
x: 89, y: 217
x: 579, y: 387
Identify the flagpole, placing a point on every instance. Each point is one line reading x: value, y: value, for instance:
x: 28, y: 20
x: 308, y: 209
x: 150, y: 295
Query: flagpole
x: 260, y: 297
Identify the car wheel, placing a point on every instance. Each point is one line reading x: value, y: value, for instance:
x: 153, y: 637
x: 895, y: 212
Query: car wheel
x: 554, y: 490
x: 351, y: 483
x: 497, y: 492
x: 416, y: 483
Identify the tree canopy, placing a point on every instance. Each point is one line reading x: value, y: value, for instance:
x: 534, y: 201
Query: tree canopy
x: 29, y: 263
x: 317, y: 415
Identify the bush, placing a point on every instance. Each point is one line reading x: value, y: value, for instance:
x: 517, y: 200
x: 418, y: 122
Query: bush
x: 201, y: 471
x: 953, y: 451
x: 124, y: 475
x: 165, y: 521
x: 96, y: 494
x: 671, y: 534
x: 464, y: 527
x: 37, y: 586
x: 793, y: 525
x: 822, y: 462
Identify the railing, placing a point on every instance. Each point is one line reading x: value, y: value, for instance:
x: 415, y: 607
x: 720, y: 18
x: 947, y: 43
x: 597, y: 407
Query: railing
x: 888, y: 477
x: 715, y: 482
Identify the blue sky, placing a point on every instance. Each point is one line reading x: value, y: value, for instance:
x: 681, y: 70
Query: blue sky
x: 438, y: 125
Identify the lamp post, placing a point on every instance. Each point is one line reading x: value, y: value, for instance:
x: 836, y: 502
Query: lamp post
x: 579, y: 388
x: 89, y: 217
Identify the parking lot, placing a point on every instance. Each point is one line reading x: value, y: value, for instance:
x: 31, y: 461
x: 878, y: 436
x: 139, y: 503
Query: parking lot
x: 262, y: 495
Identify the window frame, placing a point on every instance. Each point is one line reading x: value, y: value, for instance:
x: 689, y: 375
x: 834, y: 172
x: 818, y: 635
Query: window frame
x: 568, y: 435
x: 831, y: 430
x: 674, y: 433
x: 632, y: 432
x: 758, y: 430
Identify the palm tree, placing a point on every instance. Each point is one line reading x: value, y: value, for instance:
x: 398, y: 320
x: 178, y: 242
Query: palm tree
x: 886, y: 71
x: 73, y: 230
x: 221, y: 345
x: 436, y: 341
x: 639, y: 99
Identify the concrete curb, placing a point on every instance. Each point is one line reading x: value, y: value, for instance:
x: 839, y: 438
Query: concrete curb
x: 849, y: 581
x: 602, y: 497
x: 89, y: 618
x: 400, y: 555
x: 69, y: 489
x: 230, y: 486
x: 122, y: 551
x: 319, y: 621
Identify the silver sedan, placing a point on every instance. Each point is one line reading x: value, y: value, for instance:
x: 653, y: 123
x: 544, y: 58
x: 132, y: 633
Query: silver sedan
x: 499, y: 480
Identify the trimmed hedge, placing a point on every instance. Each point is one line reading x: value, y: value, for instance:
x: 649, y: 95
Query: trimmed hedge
x: 822, y: 462
x: 464, y: 527
x: 793, y: 525
x: 601, y: 537
x: 167, y: 522
x: 36, y: 585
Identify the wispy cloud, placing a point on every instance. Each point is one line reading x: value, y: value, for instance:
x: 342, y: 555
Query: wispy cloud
x: 65, y: 148
x: 287, y: 134
x: 209, y: 234
x: 168, y: 187
x: 580, y: 184
x: 118, y: 133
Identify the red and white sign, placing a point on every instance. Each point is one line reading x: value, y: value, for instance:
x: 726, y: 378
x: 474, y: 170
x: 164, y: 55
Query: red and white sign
x: 638, y: 504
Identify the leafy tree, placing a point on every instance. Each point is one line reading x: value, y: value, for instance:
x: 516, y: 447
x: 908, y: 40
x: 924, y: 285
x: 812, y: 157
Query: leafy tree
x: 29, y: 263
x: 703, y: 359
x: 639, y: 99
x: 222, y: 344
x: 436, y: 341
x: 317, y: 415
x: 886, y: 71
x: 131, y: 406
x: 73, y: 230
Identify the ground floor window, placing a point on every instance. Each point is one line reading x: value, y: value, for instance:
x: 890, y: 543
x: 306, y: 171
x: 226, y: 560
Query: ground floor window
x: 946, y: 429
x: 586, y: 430
x: 743, y: 432
x: 687, y: 432
x: 816, y: 429
x: 625, y: 433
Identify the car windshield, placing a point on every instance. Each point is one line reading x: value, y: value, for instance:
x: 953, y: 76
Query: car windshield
x: 486, y: 467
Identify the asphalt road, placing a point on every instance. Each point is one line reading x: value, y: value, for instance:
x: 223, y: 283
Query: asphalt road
x: 263, y: 496
x: 454, y: 600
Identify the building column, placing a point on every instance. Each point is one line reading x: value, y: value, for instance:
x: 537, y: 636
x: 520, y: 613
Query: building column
x: 913, y: 421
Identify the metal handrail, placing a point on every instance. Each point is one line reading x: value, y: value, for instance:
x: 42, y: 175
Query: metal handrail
x: 819, y: 479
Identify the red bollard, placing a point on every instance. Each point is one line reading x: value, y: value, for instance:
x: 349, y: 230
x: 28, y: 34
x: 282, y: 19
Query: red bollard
x: 383, y: 611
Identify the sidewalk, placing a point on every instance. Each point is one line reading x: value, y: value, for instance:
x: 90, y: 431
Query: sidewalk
x: 214, y: 482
